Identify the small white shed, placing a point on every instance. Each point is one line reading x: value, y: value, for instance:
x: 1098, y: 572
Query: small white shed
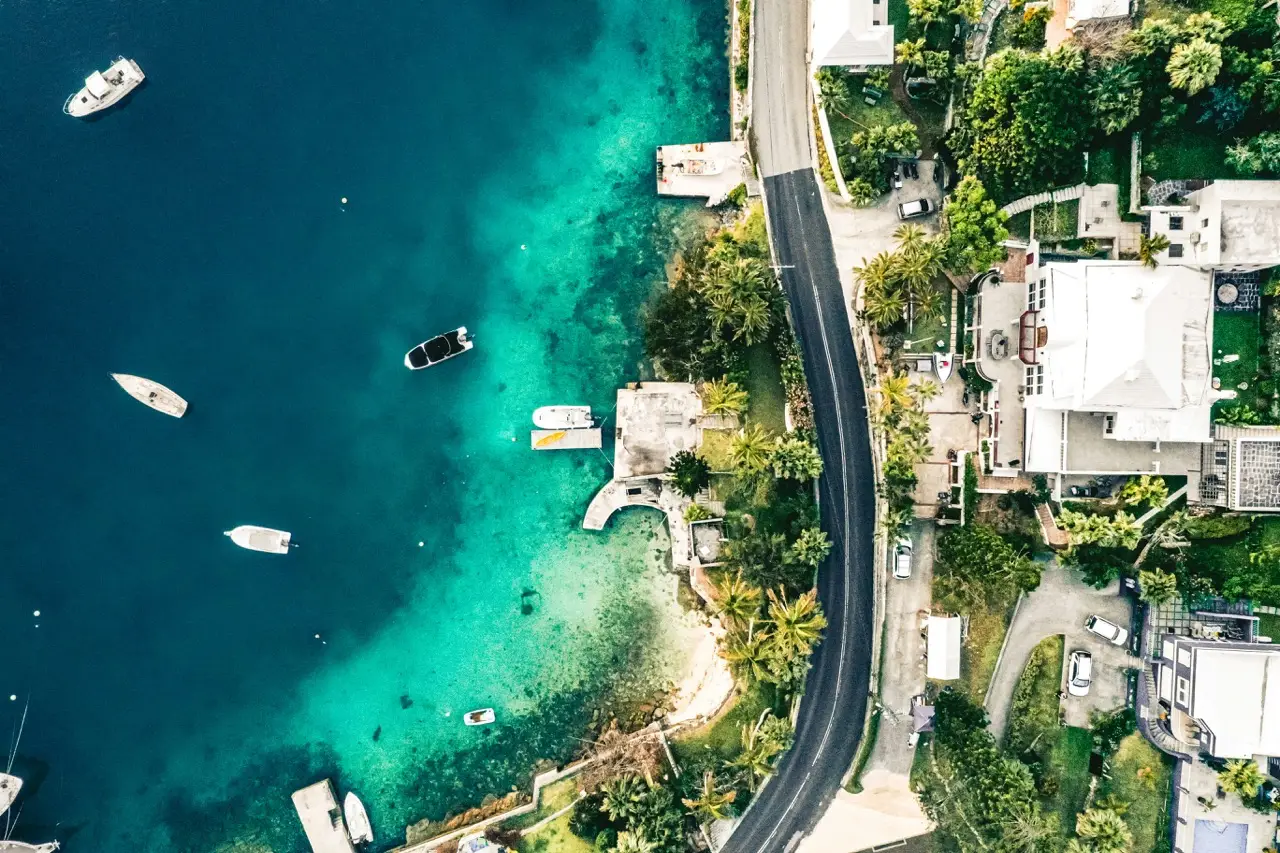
x: 944, y: 648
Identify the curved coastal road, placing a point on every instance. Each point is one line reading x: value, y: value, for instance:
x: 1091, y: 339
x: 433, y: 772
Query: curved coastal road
x: 836, y: 691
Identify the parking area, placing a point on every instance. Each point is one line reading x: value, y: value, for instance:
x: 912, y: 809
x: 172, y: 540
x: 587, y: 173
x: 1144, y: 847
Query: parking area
x: 1060, y: 605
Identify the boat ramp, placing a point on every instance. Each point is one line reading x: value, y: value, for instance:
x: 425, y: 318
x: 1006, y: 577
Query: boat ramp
x: 707, y: 170
x: 566, y: 439
x: 322, y: 818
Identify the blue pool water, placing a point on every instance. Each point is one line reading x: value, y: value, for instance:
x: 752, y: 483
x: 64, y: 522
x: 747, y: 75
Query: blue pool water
x: 196, y: 236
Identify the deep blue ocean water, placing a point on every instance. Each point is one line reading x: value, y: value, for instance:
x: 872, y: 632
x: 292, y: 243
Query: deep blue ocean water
x: 196, y: 236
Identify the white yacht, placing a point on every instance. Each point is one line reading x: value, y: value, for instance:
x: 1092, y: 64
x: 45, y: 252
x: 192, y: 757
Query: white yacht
x: 358, y: 827
x: 152, y: 394
x: 8, y: 846
x: 438, y: 349
x: 10, y: 785
x: 482, y: 717
x: 563, y: 417
x: 262, y: 539
x: 103, y: 89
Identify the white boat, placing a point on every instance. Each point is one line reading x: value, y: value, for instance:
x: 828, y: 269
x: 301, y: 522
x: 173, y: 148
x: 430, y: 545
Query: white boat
x: 942, y: 364
x: 262, y: 539
x: 10, y: 785
x: 103, y: 89
x: 152, y: 394
x: 563, y: 417
x: 23, y: 847
x: 358, y: 827
x: 438, y: 349
x: 482, y: 717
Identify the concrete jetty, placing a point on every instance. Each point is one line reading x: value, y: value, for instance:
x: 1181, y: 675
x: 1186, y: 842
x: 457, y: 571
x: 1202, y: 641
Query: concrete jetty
x: 566, y: 439
x: 321, y: 818
x: 707, y: 170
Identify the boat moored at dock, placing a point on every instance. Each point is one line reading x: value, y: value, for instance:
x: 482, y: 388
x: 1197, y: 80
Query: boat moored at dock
x: 563, y: 417
x: 104, y: 89
x: 942, y: 364
x: 482, y: 717
x: 263, y: 539
x: 438, y: 349
x: 152, y: 394
x: 358, y: 827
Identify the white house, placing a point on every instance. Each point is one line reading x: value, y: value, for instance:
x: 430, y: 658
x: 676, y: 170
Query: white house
x: 1227, y: 225
x: 1225, y: 696
x: 1079, y: 11
x: 1117, y: 368
x: 851, y: 33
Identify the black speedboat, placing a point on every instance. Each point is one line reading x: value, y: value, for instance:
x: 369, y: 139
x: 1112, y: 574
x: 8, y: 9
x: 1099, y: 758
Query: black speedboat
x: 438, y: 349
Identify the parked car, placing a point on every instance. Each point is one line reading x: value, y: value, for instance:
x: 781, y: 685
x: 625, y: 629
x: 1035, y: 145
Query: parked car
x: 1108, y: 631
x: 1079, y: 673
x: 912, y: 209
x: 1083, y: 491
x: 902, y: 559
x: 897, y: 179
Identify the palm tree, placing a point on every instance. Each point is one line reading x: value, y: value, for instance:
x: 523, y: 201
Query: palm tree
x: 749, y: 450
x: 711, y: 803
x: 925, y: 390
x: 928, y: 303
x: 909, y: 236
x: 1027, y: 828
x: 747, y: 654
x: 917, y: 267
x: 833, y: 93
x: 623, y: 797
x: 876, y: 273
x: 1241, y: 776
x: 634, y: 842
x: 758, y: 752
x: 752, y: 319
x: 911, y: 53
x: 1105, y: 831
x: 722, y: 307
x: 895, y: 393
x: 1194, y: 65
x: 722, y: 397
x: 736, y: 600
x: 883, y: 308
x: 1149, y: 247
x: 797, y: 624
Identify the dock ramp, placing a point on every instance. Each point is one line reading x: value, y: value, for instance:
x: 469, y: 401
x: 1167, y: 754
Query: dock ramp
x: 321, y: 818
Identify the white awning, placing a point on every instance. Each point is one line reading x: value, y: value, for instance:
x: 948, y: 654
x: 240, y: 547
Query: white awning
x: 944, y: 648
x: 97, y: 84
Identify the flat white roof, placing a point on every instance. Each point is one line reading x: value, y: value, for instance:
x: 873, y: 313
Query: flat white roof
x: 1084, y: 10
x: 1237, y: 695
x: 845, y: 32
x: 944, y: 648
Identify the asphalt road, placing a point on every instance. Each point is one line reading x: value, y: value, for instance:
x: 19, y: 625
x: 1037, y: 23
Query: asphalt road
x: 835, y: 700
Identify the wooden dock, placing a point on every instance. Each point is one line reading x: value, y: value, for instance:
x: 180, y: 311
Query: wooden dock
x: 566, y: 439
x: 321, y: 818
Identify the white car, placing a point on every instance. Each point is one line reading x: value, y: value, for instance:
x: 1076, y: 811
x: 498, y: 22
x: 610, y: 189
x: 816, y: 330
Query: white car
x: 1079, y: 673
x: 1108, y: 631
x: 912, y: 209
x: 902, y: 559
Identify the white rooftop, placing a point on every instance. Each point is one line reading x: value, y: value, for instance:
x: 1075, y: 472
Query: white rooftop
x: 1237, y: 695
x: 943, y: 648
x: 655, y: 420
x: 851, y: 33
x: 1227, y: 224
x: 1133, y: 341
x: 322, y: 818
x: 1086, y: 10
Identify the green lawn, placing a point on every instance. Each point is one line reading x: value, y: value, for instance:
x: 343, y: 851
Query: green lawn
x: 1035, y: 700
x: 1140, y: 776
x: 555, y: 837
x: 1056, y: 222
x: 925, y: 333
x: 1188, y: 151
x: 987, y: 627
x: 723, y: 735
x: 1236, y: 333
x: 1109, y: 164
x: 861, y: 115
x: 900, y: 17
x: 1069, y: 761
x: 554, y: 797
x: 715, y: 449
x: 768, y: 399
x: 1269, y: 626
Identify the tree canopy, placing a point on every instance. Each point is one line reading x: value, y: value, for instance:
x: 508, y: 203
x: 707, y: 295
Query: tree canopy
x: 974, y: 228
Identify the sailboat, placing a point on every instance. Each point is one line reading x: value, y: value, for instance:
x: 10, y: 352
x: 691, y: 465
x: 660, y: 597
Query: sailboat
x: 358, y: 827
x: 10, y: 785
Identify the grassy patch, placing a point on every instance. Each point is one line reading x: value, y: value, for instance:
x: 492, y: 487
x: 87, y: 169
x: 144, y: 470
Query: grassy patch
x: 1170, y: 9
x: 554, y: 797
x: 987, y: 627
x: 1035, y: 713
x: 926, y: 332
x: 1019, y: 225
x: 768, y: 399
x: 1069, y: 762
x: 723, y: 735
x: 1269, y: 626
x: 1109, y: 164
x: 1236, y: 333
x: 715, y: 449
x: 555, y: 837
x: 867, y: 744
x: 1188, y: 151
x: 824, y: 160
x: 860, y: 116
x: 1056, y: 221
x: 1140, y: 776
x: 900, y: 17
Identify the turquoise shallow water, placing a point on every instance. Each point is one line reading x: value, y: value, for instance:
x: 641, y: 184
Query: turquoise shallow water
x: 196, y: 236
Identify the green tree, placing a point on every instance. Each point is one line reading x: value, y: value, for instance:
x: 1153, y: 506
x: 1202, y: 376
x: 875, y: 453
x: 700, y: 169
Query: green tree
x: 1104, y: 830
x: 1144, y: 489
x: 973, y: 228
x: 750, y: 449
x: 925, y: 390
x: 925, y: 12
x: 696, y: 512
x: 623, y: 797
x: 737, y: 600
x: 1119, y: 531
x: 760, y: 749
x: 970, y: 10
x: 1194, y: 65
x: 1203, y: 25
x: 1256, y: 155
x: 1157, y: 587
x: 893, y: 393
x: 883, y: 308
x: 937, y: 64
x: 712, y: 803
x: 722, y: 397
x: 1028, y: 829
x: 929, y: 304
x: 910, y: 53
x: 862, y: 192
x: 975, y: 564
x: 810, y: 548
x: 1149, y: 247
x: 876, y: 274
x: 1241, y: 776
x: 634, y: 842
x: 748, y: 654
x: 690, y: 472
x: 797, y: 623
x: 1116, y: 92
x: 833, y: 92
x: 795, y: 458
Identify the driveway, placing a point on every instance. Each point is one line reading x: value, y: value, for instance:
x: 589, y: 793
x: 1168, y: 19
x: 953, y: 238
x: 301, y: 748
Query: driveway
x: 1060, y: 605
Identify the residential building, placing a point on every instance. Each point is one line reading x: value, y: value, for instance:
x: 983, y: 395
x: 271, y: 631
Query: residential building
x: 1240, y: 469
x: 1080, y: 11
x: 851, y: 33
x: 1225, y: 226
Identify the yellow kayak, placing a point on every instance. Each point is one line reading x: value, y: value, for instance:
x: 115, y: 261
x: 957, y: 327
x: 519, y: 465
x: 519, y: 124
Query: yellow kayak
x: 550, y: 439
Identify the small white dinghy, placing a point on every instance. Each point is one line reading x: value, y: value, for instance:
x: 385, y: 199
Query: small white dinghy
x: 563, y: 417
x: 942, y: 365
x: 358, y: 827
x: 482, y: 717
x: 262, y: 539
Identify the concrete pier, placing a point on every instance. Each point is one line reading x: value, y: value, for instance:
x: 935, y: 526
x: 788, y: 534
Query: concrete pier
x: 321, y: 818
x: 707, y: 170
x: 566, y: 439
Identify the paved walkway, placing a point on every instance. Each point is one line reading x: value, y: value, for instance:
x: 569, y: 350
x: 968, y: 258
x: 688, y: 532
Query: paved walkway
x: 1060, y: 605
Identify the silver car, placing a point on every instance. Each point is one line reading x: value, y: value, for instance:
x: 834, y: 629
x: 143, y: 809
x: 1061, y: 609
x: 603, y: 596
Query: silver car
x: 1079, y: 673
x: 1108, y: 631
x: 902, y: 559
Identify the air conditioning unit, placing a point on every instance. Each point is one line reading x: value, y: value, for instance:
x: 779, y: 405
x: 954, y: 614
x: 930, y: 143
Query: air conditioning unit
x: 1194, y: 237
